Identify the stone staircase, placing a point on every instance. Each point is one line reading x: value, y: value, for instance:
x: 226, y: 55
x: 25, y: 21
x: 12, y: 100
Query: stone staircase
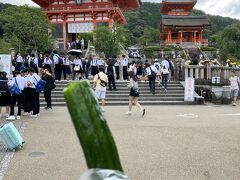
x: 174, y: 95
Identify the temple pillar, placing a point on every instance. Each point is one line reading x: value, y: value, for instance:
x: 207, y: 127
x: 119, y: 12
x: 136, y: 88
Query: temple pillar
x: 169, y: 36
x: 181, y: 36
x: 64, y: 33
x: 195, y: 36
x: 199, y: 36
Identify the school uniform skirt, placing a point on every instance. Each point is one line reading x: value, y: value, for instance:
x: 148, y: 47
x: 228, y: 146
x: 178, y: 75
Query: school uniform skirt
x: 94, y: 70
x: 5, y: 98
x: 67, y: 69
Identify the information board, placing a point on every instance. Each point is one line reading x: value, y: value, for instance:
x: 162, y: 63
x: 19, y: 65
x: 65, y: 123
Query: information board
x: 189, y: 89
x: 5, y: 61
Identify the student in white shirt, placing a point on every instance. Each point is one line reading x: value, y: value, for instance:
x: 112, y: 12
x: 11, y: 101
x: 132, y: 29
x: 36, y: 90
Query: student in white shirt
x: 47, y: 63
x: 94, y: 66
x: 77, y: 69
x: 165, y: 66
x: 117, y: 68
x: 235, y: 83
x: 18, y: 62
x: 151, y: 72
x: 67, y: 69
x: 20, y: 82
x: 125, y: 67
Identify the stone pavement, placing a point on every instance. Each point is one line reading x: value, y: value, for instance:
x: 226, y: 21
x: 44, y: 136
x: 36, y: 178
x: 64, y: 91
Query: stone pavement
x: 169, y: 143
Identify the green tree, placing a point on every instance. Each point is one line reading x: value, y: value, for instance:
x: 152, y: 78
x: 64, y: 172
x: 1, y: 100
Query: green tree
x: 150, y: 35
x: 26, y: 28
x: 109, y: 41
x: 229, y: 41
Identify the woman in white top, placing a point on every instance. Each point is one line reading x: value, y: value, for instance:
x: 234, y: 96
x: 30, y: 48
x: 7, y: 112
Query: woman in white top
x: 47, y: 63
x: 18, y: 62
x: 134, y: 94
x: 67, y: 69
x: 77, y: 69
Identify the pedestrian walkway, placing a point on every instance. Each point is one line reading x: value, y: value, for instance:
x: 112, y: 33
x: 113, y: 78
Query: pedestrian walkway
x: 197, y: 142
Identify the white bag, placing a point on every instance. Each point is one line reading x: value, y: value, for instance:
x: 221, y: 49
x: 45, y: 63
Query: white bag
x: 76, y: 68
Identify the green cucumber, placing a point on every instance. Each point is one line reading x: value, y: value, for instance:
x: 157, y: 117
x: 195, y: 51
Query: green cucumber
x: 92, y: 130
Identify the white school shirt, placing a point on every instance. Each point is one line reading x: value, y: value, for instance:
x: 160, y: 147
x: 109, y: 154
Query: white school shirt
x: 47, y: 61
x: 35, y: 60
x: 21, y: 82
x: 234, y: 82
x: 28, y: 78
x: 35, y: 78
x: 153, y: 68
x: 66, y: 62
x: 133, y: 69
x: 94, y: 62
x: 78, y: 62
x: 125, y: 62
x: 117, y: 63
x: 55, y: 58
x: 19, y: 58
x: 101, y: 62
x: 165, y: 63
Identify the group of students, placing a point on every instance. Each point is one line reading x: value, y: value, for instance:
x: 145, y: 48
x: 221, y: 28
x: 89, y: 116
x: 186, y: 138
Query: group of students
x: 27, y: 99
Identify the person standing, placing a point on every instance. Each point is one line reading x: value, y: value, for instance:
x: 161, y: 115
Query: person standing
x: 47, y: 63
x: 58, y: 62
x: 49, y: 86
x: 4, y: 93
x: 77, y: 69
x: 87, y: 68
x: 151, y: 72
x: 117, y: 69
x: 82, y: 43
x: 110, y: 73
x: 67, y: 69
x: 125, y: 67
x: 235, y: 83
x: 134, y: 95
x: 18, y: 62
x: 34, y: 94
x: 33, y: 63
x: 165, y: 72
x: 20, y: 82
x: 94, y: 65
x: 99, y: 84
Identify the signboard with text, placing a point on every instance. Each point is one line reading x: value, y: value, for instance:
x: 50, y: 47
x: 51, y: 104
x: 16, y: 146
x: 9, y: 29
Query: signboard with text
x: 189, y: 90
x: 5, y: 60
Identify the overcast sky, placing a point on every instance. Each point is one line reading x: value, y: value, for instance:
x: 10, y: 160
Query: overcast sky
x: 228, y: 8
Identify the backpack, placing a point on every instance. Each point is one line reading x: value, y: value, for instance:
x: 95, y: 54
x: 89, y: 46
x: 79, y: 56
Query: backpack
x: 60, y: 60
x: 3, y: 85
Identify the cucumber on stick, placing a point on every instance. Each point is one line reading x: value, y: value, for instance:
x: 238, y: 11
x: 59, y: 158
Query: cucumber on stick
x: 92, y: 130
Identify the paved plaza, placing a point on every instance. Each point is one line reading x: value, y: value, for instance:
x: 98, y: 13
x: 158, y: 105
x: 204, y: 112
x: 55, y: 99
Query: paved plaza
x: 169, y: 143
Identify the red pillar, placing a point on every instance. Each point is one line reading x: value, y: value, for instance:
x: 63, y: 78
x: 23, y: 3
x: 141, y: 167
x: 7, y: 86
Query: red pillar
x: 64, y: 33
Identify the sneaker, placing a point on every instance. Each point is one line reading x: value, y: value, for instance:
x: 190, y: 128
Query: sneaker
x: 47, y: 108
x: 143, y: 112
x: 234, y: 104
x: 128, y: 113
x: 18, y: 117
x: 10, y: 118
x: 38, y: 114
x: 26, y: 114
x: 6, y: 115
x: 102, y: 108
x: 165, y: 90
x: 33, y: 116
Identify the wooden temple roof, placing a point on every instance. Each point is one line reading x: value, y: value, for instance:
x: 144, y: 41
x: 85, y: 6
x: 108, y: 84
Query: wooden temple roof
x: 123, y: 4
x: 185, y: 21
x: 168, y: 5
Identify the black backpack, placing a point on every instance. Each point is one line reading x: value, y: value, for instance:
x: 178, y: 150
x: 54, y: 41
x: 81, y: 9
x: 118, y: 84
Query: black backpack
x: 152, y: 72
x: 3, y: 85
x: 60, y: 60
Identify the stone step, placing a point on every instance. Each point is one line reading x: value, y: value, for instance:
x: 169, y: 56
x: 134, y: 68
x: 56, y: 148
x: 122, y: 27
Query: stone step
x: 125, y: 103
x: 117, y: 82
x: 127, y: 94
x: 126, y: 99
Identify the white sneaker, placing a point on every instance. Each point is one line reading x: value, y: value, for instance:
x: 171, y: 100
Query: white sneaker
x: 33, y: 116
x: 102, y: 108
x: 18, y: 117
x: 10, y: 118
x: 128, y: 113
x: 26, y: 114
x: 38, y: 114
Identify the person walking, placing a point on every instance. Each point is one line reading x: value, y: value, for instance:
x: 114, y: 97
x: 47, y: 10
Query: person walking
x: 165, y: 72
x: 151, y: 72
x: 125, y: 67
x: 49, y: 86
x: 20, y: 82
x: 99, y: 84
x: 134, y: 95
x: 235, y: 83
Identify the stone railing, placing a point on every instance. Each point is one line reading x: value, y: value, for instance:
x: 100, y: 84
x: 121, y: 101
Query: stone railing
x: 205, y: 74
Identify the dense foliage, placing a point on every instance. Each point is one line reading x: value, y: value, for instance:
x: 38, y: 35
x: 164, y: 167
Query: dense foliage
x: 24, y: 28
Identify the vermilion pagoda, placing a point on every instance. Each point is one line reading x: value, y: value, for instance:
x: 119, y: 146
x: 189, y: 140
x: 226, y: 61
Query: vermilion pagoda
x: 79, y: 16
x: 178, y: 26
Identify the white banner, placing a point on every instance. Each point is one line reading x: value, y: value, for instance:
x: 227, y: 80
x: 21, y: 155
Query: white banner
x: 5, y: 61
x: 80, y: 27
x: 189, y: 89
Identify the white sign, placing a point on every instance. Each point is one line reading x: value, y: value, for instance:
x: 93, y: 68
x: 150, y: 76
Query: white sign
x: 215, y: 80
x: 189, y: 90
x: 5, y: 60
x: 80, y: 27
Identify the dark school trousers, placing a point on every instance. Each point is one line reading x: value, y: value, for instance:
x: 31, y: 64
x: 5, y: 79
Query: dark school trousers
x: 58, y: 71
x: 34, y: 100
x: 111, y: 82
x: 27, y: 107
x: 117, y: 68
x: 16, y: 99
x: 125, y: 74
x: 152, y: 80
x: 164, y: 80
x: 48, y: 98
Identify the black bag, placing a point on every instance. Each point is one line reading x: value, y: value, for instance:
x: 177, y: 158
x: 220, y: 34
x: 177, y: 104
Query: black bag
x: 134, y: 92
x: 60, y: 60
x: 3, y: 85
x: 102, y: 82
x: 153, y: 74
